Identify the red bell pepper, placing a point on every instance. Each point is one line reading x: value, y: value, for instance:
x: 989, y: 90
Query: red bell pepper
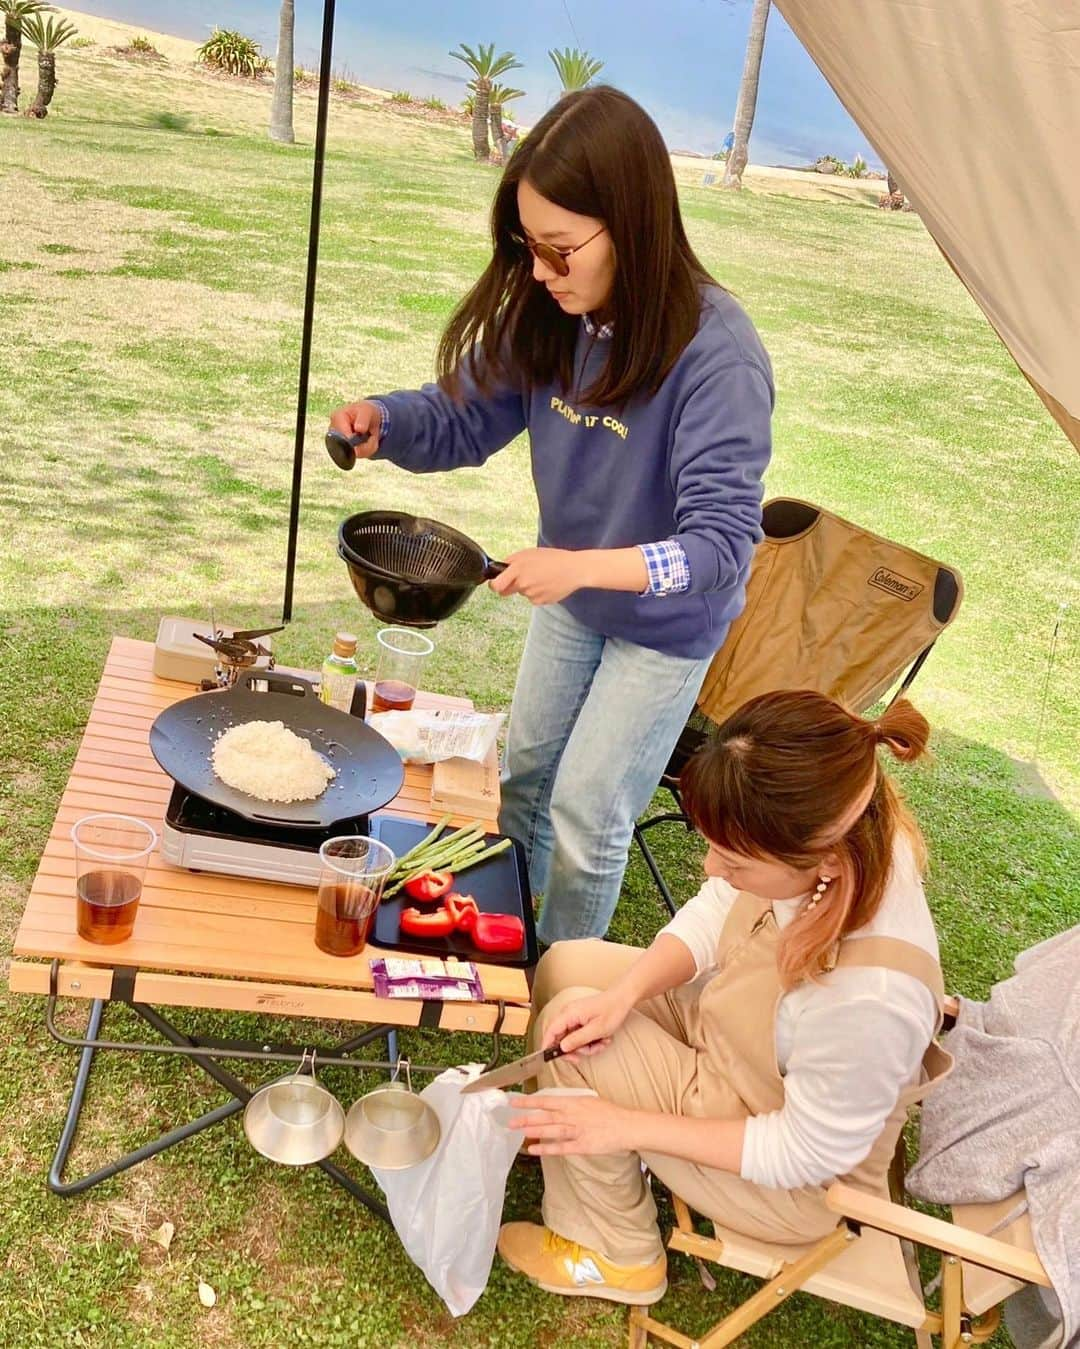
x: 498, y: 932
x: 430, y: 886
x: 495, y: 933
x: 437, y: 923
x: 464, y: 910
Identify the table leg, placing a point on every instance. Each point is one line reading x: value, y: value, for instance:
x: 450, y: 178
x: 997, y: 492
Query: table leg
x: 66, y: 1188
x: 205, y: 1048
x: 239, y: 1092
x: 243, y: 1094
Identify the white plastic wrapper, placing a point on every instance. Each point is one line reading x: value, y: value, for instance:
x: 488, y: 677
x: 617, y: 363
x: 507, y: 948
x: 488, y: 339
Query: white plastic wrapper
x: 447, y: 1209
x: 431, y: 736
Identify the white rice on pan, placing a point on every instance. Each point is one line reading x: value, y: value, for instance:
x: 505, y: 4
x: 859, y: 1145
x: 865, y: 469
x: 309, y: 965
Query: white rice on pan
x: 266, y: 760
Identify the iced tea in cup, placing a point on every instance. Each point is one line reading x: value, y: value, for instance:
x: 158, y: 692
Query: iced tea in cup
x: 402, y: 654
x: 110, y: 862
x: 354, y: 872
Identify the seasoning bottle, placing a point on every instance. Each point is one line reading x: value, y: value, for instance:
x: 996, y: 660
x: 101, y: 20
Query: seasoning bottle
x: 339, y: 673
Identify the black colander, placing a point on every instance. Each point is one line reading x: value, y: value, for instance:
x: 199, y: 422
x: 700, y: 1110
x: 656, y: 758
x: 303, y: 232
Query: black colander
x: 411, y: 570
x: 426, y: 553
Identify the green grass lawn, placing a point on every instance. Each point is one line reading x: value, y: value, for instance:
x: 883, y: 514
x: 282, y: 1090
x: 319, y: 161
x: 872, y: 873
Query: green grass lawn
x: 151, y: 274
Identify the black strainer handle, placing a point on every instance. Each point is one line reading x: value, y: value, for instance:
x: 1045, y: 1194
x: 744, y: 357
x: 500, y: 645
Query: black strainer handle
x: 342, y: 449
x: 493, y: 569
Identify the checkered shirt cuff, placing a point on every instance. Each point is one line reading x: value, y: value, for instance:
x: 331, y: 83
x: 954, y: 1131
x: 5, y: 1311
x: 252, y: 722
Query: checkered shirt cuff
x: 668, y: 567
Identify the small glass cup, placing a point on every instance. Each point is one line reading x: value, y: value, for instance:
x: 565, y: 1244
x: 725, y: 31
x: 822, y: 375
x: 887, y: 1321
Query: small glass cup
x: 402, y: 653
x: 110, y: 863
x: 354, y: 871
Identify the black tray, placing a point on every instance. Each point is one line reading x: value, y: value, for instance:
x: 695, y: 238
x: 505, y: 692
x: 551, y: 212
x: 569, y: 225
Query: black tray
x: 500, y: 885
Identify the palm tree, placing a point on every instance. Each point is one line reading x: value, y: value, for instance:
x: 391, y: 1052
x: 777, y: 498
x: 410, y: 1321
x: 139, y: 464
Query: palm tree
x: 748, y: 87
x: 281, y: 124
x: 498, y: 98
x: 46, y: 35
x: 14, y: 12
x: 575, y: 68
x: 486, y: 67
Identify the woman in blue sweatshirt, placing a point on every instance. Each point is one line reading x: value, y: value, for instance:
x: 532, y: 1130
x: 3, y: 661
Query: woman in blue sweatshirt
x: 647, y: 397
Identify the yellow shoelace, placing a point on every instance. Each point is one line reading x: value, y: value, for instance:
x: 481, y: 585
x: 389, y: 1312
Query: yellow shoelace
x: 558, y: 1245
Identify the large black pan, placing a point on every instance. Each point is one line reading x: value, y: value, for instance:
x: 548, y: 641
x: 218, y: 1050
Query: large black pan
x: 369, y: 771
x: 410, y: 570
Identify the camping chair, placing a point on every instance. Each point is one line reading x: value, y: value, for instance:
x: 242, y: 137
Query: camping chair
x: 868, y: 1262
x: 829, y: 606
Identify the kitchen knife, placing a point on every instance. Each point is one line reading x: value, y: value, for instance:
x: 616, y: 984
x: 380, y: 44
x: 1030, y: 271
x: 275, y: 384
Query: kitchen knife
x: 511, y: 1073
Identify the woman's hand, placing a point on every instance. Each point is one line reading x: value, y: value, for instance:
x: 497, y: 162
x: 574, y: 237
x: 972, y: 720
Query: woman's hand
x: 586, y: 1025
x: 359, y: 419
x: 581, y: 1125
x: 542, y: 575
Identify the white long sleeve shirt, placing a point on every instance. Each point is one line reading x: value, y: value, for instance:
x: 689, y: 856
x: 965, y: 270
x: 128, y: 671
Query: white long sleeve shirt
x: 845, y: 1047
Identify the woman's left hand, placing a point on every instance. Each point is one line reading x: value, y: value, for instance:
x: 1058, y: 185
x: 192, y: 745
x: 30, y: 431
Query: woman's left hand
x: 574, y: 1125
x: 542, y: 575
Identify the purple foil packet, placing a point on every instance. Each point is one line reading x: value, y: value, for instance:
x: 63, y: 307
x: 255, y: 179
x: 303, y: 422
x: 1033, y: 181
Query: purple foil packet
x: 427, y: 977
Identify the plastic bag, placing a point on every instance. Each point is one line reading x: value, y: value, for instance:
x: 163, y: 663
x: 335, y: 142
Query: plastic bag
x: 447, y: 1210
x: 430, y: 736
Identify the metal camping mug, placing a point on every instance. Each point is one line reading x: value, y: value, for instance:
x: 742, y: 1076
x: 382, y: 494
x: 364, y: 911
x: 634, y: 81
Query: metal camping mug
x: 391, y: 1128
x: 295, y: 1120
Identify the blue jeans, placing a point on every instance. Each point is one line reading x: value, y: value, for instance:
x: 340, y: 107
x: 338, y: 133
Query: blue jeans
x: 593, y: 722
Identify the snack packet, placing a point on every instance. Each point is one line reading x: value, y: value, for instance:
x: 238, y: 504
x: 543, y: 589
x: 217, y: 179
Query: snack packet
x: 427, y: 977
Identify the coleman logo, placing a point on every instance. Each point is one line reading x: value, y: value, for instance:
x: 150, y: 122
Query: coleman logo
x: 894, y: 583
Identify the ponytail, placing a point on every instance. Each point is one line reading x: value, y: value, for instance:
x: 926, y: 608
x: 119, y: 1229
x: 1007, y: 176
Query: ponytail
x: 904, y: 731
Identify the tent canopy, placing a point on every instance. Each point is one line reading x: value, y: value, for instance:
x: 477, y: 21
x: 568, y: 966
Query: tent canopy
x: 975, y: 108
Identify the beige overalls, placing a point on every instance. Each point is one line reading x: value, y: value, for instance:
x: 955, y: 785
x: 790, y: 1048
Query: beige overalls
x: 705, y: 1049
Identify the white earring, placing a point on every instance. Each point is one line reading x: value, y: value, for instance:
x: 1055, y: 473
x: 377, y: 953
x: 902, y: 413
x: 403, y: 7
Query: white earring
x: 819, y: 890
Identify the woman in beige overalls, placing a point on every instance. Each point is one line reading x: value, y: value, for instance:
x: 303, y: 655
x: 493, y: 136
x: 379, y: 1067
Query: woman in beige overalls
x: 772, y: 1036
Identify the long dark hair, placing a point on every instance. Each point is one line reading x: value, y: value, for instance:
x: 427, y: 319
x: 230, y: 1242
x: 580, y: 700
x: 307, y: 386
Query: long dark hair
x: 596, y: 153
x: 780, y: 773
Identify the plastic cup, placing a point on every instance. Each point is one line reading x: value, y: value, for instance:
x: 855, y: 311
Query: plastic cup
x: 354, y: 872
x: 110, y: 862
x: 402, y: 654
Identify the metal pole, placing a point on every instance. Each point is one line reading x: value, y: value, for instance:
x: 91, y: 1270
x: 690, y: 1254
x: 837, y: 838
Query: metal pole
x: 325, y: 60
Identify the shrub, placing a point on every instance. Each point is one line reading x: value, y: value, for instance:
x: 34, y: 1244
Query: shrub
x: 435, y: 104
x: 858, y: 168
x: 142, y: 44
x: 230, y: 51
x: 401, y: 96
x: 81, y: 43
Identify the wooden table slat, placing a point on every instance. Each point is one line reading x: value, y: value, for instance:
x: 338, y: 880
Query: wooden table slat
x: 252, y: 995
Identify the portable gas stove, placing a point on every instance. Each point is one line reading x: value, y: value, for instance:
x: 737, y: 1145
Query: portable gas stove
x: 236, y: 652
x: 203, y: 837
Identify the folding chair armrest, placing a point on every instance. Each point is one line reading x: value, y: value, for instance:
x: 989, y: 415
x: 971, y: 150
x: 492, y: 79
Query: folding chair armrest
x: 952, y: 1005
x: 920, y: 1228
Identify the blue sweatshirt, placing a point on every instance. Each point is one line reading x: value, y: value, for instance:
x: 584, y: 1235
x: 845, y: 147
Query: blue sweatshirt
x: 686, y: 463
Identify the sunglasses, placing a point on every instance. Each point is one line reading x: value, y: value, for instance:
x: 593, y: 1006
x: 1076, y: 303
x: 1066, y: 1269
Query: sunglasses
x: 550, y: 256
